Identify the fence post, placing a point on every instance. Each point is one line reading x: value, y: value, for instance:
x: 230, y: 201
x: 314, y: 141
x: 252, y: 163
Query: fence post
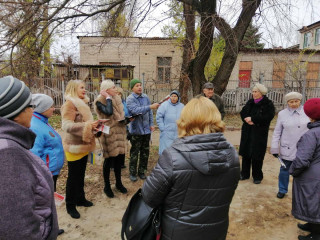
x: 237, y: 98
x: 303, y: 91
x: 62, y: 88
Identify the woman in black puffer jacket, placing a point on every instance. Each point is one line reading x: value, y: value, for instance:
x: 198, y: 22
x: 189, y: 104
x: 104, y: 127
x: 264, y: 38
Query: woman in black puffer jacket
x: 195, y: 179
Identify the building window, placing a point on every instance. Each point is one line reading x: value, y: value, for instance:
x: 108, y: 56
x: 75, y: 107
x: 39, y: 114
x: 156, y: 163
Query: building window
x: 307, y: 39
x: 164, y: 69
x: 317, y: 39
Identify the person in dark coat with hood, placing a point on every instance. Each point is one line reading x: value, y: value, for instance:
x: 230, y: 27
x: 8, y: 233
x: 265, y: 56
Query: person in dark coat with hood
x: 256, y: 116
x: 27, y: 207
x: 305, y: 170
x: 195, y: 178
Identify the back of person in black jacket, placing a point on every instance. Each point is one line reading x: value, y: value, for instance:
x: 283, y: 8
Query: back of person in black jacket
x: 256, y: 116
x: 195, y: 178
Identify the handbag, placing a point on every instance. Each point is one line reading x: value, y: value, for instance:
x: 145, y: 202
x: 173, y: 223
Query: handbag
x: 140, y: 221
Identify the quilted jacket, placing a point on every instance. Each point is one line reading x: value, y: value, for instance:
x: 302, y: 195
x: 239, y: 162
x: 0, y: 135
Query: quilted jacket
x: 194, y: 181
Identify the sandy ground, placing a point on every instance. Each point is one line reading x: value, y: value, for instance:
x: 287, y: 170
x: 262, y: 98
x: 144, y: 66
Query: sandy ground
x: 255, y: 212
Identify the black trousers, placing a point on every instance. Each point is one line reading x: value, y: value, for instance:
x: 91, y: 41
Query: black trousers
x: 55, y: 177
x: 116, y: 162
x: 256, y: 164
x: 75, y: 182
x: 140, y: 148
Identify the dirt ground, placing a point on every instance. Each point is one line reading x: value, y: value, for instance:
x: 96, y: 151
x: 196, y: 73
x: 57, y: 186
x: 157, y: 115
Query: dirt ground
x: 255, y: 212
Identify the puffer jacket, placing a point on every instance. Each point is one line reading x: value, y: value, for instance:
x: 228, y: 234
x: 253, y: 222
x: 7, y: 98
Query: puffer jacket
x: 167, y: 116
x: 194, y: 181
x: 305, y: 169
x: 27, y: 206
x: 48, y: 143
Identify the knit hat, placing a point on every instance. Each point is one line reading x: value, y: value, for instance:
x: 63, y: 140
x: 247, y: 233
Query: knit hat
x: 41, y: 102
x: 15, y: 96
x: 176, y: 92
x: 134, y: 82
x: 261, y: 88
x: 292, y: 95
x: 312, y: 108
x: 106, y: 84
x: 208, y: 85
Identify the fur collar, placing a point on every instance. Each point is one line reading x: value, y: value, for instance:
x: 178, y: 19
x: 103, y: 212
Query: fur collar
x: 82, y: 107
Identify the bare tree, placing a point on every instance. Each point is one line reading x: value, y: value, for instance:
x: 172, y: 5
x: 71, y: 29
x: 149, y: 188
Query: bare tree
x: 26, y: 27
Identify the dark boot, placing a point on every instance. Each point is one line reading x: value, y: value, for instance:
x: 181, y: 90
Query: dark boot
x: 107, y: 190
x: 305, y: 227
x: 72, y: 211
x: 106, y: 176
x: 311, y: 236
x: 117, y: 173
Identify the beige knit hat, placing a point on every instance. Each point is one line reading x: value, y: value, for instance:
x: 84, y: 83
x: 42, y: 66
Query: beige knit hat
x: 292, y: 95
x: 261, y: 88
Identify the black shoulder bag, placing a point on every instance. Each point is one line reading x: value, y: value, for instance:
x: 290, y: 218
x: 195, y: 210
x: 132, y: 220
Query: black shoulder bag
x: 140, y: 222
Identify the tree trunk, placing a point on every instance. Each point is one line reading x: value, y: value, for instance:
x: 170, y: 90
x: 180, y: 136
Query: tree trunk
x: 233, y: 38
x: 196, y: 70
x: 188, y: 52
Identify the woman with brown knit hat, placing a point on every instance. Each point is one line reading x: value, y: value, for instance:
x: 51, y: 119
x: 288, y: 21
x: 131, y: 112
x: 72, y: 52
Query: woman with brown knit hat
x: 256, y: 116
x: 78, y: 142
x: 109, y: 106
x: 305, y: 170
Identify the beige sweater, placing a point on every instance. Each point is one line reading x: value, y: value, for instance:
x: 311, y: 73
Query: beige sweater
x: 76, y: 122
x: 113, y: 143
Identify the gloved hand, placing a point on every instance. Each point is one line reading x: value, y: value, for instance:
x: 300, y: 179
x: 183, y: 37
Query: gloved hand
x: 275, y: 155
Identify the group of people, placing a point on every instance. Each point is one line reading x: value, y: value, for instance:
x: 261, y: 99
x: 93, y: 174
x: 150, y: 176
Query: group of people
x: 197, y: 172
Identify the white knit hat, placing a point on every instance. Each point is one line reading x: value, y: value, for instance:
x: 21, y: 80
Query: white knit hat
x: 261, y: 88
x: 292, y: 95
x: 106, y: 84
x: 41, y: 102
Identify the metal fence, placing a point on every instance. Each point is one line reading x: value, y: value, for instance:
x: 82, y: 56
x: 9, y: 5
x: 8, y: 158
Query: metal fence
x: 234, y: 99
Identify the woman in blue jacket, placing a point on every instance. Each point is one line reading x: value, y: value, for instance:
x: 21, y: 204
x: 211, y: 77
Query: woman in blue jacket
x: 48, y: 144
x: 167, y: 115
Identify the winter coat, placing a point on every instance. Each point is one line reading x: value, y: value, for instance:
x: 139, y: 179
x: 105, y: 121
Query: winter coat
x: 167, y: 116
x: 194, y: 182
x: 76, y: 122
x: 48, y: 143
x: 291, y: 125
x: 217, y: 100
x: 140, y: 104
x: 125, y: 109
x: 305, y: 169
x: 113, y: 143
x: 254, y: 138
x: 27, y: 207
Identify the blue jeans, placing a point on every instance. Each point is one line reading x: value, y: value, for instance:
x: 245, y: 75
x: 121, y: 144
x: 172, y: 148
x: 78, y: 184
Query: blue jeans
x: 284, y: 176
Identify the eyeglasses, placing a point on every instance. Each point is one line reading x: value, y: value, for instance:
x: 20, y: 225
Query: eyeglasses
x: 31, y: 106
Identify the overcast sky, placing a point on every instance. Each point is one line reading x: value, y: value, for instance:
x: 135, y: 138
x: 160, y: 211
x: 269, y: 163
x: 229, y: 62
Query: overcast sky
x: 279, y: 25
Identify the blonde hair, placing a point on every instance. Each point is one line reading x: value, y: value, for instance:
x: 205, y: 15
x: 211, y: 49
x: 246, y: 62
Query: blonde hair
x: 72, y: 88
x: 200, y: 116
x: 106, y: 84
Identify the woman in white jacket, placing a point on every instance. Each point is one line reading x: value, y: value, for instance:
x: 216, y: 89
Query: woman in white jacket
x: 291, y: 125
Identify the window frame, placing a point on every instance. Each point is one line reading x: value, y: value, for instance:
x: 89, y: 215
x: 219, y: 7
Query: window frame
x: 165, y: 69
x: 317, y: 37
x: 307, y: 40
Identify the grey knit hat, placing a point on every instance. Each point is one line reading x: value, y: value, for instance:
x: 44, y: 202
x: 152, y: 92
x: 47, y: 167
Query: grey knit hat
x: 41, y: 102
x: 15, y: 96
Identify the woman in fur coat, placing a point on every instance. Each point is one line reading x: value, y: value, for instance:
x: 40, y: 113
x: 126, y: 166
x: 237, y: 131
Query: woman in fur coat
x: 109, y: 106
x: 78, y: 142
